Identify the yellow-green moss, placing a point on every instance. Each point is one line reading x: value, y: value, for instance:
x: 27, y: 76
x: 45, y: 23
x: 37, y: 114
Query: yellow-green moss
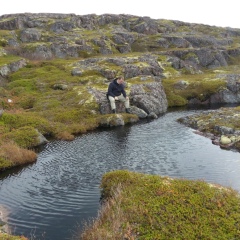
x: 5, y: 236
x: 200, y: 86
x: 6, y: 59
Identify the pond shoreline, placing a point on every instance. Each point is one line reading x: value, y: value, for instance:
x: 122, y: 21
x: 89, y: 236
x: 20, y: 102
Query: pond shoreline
x: 71, y: 171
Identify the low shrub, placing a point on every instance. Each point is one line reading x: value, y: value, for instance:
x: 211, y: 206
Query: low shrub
x: 142, y: 206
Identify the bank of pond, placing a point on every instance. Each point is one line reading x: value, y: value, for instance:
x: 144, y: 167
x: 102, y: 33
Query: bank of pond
x: 148, y: 175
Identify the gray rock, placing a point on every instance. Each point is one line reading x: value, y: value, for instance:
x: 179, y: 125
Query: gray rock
x: 139, y: 112
x: 223, y: 130
x: 76, y: 72
x: 112, y: 121
x: 60, y: 86
x: 30, y: 35
x: 181, y: 84
x: 12, y: 67
x: 41, y: 139
x: 152, y: 115
x: 149, y: 97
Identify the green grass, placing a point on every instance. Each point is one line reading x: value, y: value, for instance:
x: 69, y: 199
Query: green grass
x: 142, y: 206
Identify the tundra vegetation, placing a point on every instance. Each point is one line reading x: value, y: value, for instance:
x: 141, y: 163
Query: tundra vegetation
x: 5, y: 236
x: 142, y: 206
x: 51, y: 63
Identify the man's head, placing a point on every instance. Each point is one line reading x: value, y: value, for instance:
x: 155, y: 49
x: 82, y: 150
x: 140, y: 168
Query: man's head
x: 120, y: 80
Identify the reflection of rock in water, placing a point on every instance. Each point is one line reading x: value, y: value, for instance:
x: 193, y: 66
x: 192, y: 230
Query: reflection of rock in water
x: 3, y: 219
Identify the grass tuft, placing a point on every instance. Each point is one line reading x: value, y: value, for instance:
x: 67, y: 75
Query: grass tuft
x: 12, y: 155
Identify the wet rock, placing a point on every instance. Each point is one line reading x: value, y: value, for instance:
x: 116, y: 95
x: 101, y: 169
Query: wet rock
x: 139, y: 112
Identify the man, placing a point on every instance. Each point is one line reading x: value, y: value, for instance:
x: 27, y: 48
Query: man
x: 115, y: 92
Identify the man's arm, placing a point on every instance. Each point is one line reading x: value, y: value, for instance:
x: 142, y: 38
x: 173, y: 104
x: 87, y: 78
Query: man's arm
x: 124, y: 92
x: 110, y: 87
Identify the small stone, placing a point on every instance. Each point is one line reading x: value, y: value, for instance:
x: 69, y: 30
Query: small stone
x: 225, y: 140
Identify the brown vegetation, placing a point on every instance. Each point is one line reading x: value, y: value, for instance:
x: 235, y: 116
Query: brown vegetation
x: 12, y: 155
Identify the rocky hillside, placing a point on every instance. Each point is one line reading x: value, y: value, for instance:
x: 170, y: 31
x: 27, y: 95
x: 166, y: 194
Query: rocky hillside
x: 46, y: 36
x: 140, y: 48
x: 55, y: 70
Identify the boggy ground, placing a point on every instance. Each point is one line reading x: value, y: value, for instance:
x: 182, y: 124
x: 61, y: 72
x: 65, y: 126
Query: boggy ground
x: 142, y: 206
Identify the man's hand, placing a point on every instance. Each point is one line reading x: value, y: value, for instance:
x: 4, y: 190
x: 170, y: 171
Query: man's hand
x: 116, y: 98
x: 127, y: 97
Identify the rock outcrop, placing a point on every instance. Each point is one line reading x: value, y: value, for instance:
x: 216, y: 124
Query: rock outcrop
x: 6, y: 69
x: 63, y: 35
x: 221, y: 126
x: 140, y: 48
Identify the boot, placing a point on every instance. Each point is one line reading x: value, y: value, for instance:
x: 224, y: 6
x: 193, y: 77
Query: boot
x: 128, y: 110
x: 114, y: 111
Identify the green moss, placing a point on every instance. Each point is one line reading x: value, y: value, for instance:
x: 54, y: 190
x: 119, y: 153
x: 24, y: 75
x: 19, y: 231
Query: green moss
x: 154, y: 207
x: 43, y: 104
x: 27, y: 84
x: 175, y: 100
x: 200, y: 86
x: 24, y: 137
x: 18, y: 120
x: 6, y: 59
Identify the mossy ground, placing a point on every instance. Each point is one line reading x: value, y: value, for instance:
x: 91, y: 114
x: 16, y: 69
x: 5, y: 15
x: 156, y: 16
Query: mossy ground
x: 63, y: 113
x: 200, y: 86
x: 142, y: 206
x: 4, y: 236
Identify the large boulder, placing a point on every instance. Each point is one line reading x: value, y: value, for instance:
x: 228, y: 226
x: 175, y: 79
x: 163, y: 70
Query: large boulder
x: 145, y: 99
x: 149, y: 97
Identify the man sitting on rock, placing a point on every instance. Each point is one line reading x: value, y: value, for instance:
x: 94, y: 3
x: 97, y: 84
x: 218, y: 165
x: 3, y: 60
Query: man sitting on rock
x: 115, y: 92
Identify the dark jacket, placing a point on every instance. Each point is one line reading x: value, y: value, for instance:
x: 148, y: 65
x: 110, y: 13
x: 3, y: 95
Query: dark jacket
x: 115, y: 89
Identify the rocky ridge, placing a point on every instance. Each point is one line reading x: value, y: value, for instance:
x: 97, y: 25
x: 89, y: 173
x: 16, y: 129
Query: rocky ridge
x: 158, y: 58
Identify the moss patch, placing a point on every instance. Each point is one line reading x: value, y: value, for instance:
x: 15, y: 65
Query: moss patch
x: 200, y: 86
x: 5, y: 236
x: 154, y: 207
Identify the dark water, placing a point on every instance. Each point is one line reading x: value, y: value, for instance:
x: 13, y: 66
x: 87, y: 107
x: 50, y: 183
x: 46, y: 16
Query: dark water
x: 51, y: 199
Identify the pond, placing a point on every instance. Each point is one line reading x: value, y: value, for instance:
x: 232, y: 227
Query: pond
x: 52, y: 198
